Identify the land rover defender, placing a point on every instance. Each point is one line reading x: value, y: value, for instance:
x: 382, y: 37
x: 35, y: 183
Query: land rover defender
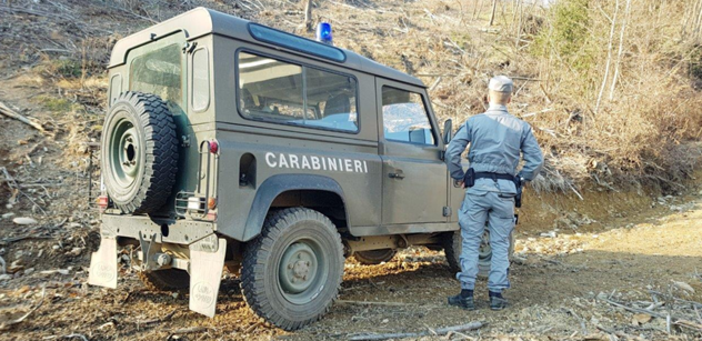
x: 229, y: 144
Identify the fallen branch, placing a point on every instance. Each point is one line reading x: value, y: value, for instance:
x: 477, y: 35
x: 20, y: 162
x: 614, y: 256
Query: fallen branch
x: 251, y: 328
x: 635, y: 310
x: 33, y: 184
x: 10, y: 240
x: 69, y: 336
x: 689, y: 325
x: 439, y: 331
x: 390, y: 304
x: 172, y: 333
x: 16, y: 188
x: 576, y: 191
x: 5, y: 110
x: 159, y: 319
x: 27, y: 11
x: 580, y: 319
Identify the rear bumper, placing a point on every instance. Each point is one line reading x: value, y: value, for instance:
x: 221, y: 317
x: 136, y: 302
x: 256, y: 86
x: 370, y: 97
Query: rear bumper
x: 203, y: 259
x: 180, y: 231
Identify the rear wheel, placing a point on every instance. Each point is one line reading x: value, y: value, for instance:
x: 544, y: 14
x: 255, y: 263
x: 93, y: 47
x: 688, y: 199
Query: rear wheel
x: 165, y: 280
x: 372, y: 257
x: 292, y: 272
x: 453, y: 246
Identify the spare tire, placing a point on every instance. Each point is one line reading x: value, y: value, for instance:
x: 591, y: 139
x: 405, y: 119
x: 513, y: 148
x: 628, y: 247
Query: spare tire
x: 139, y: 152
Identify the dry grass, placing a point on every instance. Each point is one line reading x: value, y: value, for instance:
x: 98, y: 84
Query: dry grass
x: 643, y: 127
x: 645, y: 133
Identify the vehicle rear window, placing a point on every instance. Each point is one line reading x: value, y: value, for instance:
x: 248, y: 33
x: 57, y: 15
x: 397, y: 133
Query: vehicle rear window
x: 159, y: 72
x: 288, y: 93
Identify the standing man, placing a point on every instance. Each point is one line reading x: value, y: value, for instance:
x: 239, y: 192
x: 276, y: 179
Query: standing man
x: 496, y: 139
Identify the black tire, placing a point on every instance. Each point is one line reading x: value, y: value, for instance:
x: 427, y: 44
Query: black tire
x: 452, y: 249
x: 165, y: 280
x: 286, y: 236
x: 139, y: 152
x: 373, y: 257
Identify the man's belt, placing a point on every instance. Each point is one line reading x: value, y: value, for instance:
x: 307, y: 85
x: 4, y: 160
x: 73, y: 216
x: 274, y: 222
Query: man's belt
x: 471, y: 175
x: 494, y: 176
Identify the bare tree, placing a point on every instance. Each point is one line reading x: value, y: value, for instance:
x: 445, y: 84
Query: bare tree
x: 609, y: 56
x: 477, y: 9
x: 621, y: 48
x: 492, y: 16
x: 308, y: 15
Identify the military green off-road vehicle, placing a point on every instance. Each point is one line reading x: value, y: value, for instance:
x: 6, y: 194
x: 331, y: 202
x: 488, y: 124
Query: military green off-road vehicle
x: 231, y: 144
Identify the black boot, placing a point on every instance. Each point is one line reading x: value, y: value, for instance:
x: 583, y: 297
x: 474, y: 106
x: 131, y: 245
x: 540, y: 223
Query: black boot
x: 497, y: 302
x: 464, y: 300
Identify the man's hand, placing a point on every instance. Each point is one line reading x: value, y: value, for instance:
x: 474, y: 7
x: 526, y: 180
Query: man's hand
x: 459, y: 183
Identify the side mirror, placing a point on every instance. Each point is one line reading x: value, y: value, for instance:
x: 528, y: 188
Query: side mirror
x: 448, y: 131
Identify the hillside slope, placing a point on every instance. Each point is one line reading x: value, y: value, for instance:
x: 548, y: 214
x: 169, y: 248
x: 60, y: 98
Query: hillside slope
x: 610, y: 88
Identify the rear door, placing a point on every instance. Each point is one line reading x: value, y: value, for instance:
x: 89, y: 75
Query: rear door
x: 414, y: 176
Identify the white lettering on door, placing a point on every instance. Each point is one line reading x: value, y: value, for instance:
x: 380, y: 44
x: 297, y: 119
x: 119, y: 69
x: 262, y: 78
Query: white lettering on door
x: 294, y: 161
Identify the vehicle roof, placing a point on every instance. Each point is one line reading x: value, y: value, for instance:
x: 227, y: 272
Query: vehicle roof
x: 202, y: 21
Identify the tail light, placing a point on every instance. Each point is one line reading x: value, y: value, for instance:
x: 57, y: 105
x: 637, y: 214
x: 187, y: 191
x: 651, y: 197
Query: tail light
x: 211, y: 203
x: 214, y: 147
x: 103, y: 202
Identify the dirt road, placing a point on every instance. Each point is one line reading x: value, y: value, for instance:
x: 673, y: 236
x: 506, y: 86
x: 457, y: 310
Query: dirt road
x: 560, y: 290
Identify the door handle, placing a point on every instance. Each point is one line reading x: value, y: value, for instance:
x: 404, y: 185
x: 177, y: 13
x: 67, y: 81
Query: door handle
x: 397, y: 175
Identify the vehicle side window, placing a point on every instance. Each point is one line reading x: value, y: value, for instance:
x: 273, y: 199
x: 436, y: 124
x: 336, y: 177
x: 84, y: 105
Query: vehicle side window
x: 201, y: 80
x: 405, y: 117
x: 159, y: 73
x: 282, y: 92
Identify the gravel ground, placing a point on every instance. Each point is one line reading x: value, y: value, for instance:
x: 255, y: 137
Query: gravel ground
x: 564, y: 287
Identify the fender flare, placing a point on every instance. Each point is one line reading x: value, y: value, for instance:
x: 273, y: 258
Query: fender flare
x: 277, y: 184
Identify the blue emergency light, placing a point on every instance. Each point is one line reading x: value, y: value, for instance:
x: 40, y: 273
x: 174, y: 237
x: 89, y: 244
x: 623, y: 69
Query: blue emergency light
x: 324, y: 33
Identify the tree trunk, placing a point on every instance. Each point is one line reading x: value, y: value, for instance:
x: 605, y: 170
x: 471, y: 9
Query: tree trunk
x: 617, y: 65
x: 477, y: 9
x: 308, y: 15
x: 609, y: 57
x: 492, y: 16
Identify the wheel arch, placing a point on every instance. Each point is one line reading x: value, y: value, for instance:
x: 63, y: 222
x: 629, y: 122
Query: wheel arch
x: 288, y: 190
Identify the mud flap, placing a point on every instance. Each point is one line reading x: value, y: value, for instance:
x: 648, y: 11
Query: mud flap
x: 206, y: 264
x: 103, y: 264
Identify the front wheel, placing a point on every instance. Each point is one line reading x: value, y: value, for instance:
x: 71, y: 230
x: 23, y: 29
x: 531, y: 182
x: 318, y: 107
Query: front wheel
x: 453, y: 246
x: 292, y: 272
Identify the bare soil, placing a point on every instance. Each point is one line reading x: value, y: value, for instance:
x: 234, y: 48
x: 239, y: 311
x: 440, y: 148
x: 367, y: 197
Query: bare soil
x: 559, y: 284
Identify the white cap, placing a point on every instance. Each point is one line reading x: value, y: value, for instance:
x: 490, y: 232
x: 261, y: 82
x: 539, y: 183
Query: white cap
x: 500, y: 83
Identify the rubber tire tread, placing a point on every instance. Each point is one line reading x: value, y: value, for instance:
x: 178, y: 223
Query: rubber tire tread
x: 165, y: 280
x: 452, y: 249
x: 370, y: 260
x: 161, y: 150
x: 253, y: 274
